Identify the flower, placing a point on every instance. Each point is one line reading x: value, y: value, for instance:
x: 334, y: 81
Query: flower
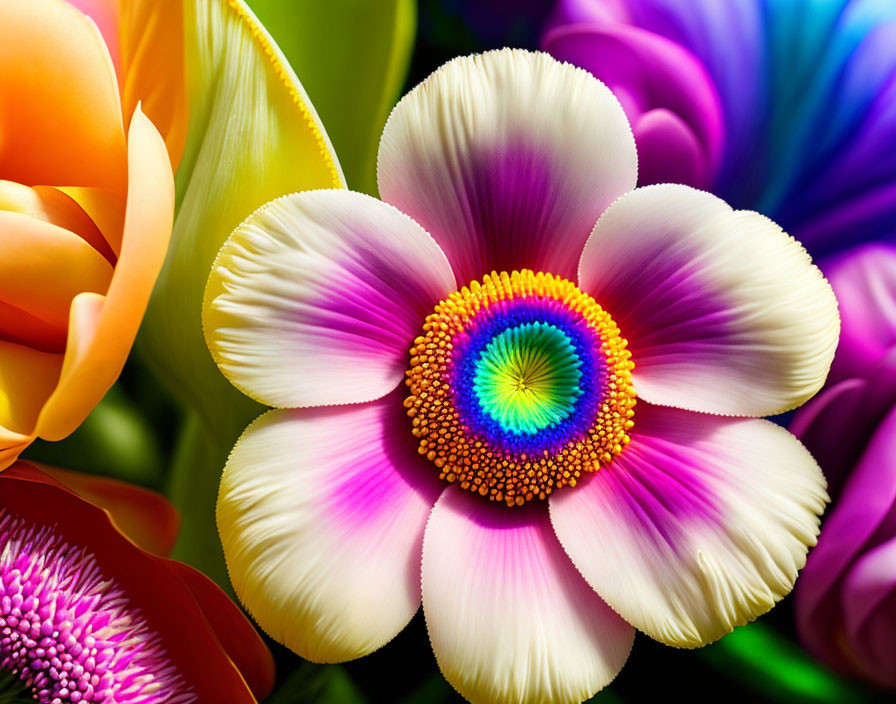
x: 478, y: 478
x: 846, y: 596
x: 80, y: 615
x: 774, y: 105
x: 85, y: 215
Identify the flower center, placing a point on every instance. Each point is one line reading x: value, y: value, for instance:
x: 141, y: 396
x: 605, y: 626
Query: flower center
x: 67, y: 633
x: 518, y: 385
x: 527, y: 377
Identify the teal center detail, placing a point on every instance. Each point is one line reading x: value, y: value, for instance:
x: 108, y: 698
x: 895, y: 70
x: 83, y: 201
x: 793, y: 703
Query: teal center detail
x: 527, y: 378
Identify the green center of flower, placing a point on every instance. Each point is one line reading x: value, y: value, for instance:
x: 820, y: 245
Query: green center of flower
x: 527, y: 378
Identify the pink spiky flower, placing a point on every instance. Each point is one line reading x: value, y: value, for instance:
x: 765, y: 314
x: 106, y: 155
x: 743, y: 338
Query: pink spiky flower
x: 69, y: 633
x: 89, y: 617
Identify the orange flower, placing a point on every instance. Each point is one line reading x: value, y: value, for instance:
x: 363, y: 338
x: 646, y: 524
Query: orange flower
x: 86, y: 206
x: 192, y: 646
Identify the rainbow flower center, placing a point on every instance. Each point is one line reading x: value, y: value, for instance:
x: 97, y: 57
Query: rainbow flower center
x: 68, y: 634
x: 519, y: 385
x: 527, y: 378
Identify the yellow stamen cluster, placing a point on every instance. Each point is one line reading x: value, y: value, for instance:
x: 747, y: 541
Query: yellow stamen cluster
x: 474, y: 462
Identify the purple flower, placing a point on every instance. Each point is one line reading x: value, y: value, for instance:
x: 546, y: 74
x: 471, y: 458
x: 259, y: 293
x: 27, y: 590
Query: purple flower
x: 846, y: 596
x: 783, y: 106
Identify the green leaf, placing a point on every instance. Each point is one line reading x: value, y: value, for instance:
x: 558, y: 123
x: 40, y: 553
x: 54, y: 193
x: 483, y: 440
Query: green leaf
x: 433, y: 690
x: 317, y: 684
x: 115, y: 441
x: 352, y: 57
x: 763, y: 660
x: 253, y: 136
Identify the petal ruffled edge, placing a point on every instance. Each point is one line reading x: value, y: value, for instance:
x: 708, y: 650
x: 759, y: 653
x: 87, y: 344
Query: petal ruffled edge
x: 724, y: 312
x: 317, y: 297
x: 321, y: 514
x: 700, y: 525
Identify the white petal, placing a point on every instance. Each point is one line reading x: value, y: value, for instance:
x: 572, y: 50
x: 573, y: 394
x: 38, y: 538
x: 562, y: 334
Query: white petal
x: 508, y: 158
x: 700, y: 525
x: 509, y: 618
x: 317, y: 297
x: 321, y: 514
x: 724, y: 312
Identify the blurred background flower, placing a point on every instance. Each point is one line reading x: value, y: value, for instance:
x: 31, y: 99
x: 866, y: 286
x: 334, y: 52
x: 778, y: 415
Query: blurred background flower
x: 846, y: 599
x: 86, y: 203
x: 782, y: 106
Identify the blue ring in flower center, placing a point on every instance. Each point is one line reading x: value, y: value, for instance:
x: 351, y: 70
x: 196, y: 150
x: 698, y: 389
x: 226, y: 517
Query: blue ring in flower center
x: 546, y: 330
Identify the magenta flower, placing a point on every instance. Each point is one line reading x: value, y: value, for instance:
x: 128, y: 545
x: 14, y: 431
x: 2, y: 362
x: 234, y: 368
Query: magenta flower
x: 68, y: 633
x: 89, y: 617
x: 846, y: 600
x: 457, y: 429
x: 784, y: 106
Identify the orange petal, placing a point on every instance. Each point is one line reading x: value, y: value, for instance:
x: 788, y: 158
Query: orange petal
x: 21, y: 327
x: 105, y: 209
x: 106, y: 15
x: 11, y: 444
x: 186, y: 635
x: 237, y: 636
x: 60, y: 115
x: 44, y: 267
x: 63, y: 210
x: 27, y: 377
x: 145, y: 516
x: 53, y: 206
x: 101, y: 331
x: 152, y: 67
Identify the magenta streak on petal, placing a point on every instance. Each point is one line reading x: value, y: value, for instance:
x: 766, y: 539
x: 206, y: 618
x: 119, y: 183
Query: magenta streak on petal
x: 372, y: 303
x: 510, y: 208
x: 67, y: 631
x: 515, y: 207
x: 664, y: 484
x: 676, y: 318
x: 663, y: 478
x: 381, y: 472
